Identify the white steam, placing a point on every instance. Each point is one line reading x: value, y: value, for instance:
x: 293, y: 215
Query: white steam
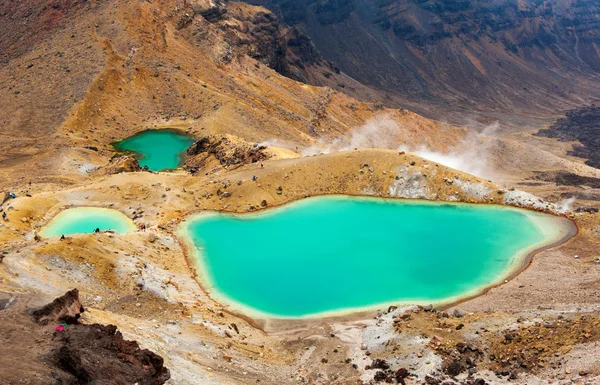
x: 471, y: 155
x: 279, y: 143
x: 565, y: 205
x: 379, y: 132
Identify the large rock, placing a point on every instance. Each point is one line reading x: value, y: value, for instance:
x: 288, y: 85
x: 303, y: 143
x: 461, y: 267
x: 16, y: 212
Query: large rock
x: 67, y: 309
x: 98, y: 354
x: 211, y: 10
x: 7, y: 196
x: 223, y: 150
x: 74, y: 354
x: 122, y: 163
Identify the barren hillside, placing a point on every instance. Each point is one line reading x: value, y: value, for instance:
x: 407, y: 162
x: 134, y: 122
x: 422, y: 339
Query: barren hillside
x: 510, y: 60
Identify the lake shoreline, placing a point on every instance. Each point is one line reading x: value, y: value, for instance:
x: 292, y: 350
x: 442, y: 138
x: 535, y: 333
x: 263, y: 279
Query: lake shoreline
x: 355, y: 313
x: 126, y: 146
x: 126, y: 225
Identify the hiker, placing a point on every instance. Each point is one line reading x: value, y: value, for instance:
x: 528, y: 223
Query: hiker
x: 262, y: 165
x: 62, y: 237
x: 12, y: 195
x: 97, y: 230
x: 254, y: 178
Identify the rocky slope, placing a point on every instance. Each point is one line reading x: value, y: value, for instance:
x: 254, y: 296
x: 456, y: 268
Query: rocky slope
x: 253, y: 32
x: 63, y: 351
x: 105, y: 70
x: 502, y: 57
x: 583, y: 126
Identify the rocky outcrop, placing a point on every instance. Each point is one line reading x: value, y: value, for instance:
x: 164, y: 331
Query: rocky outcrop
x: 224, y: 151
x: 524, y: 199
x: 581, y: 125
x: 66, y: 309
x: 250, y: 31
x: 212, y: 10
x: 6, y: 301
x: 7, y: 197
x: 410, y: 184
x: 122, y: 163
x: 566, y: 178
x: 98, y: 354
x: 52, y: 347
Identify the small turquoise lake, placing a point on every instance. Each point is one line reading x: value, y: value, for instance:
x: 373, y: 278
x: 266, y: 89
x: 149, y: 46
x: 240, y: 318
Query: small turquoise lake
x: 158, y: 149
x: 343, y: 254
x: 84, y: 220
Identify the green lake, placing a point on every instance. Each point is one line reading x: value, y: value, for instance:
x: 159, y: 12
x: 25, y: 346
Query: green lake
x: 84, y: 220
x: 343, y: 254
x: 158, y: 149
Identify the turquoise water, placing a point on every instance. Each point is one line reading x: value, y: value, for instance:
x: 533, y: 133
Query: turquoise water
x: 339, y: 253
x: 84, y: 220
x: 157, y: 149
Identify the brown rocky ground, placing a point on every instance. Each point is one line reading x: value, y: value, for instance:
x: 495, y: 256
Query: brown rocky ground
x: 49, y: 346
x: 115, y: 68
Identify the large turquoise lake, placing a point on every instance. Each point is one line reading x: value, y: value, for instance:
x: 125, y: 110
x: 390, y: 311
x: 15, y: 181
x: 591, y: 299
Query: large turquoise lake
x: 84, y: 220
x: 158, y: 149
x: 337, y: 253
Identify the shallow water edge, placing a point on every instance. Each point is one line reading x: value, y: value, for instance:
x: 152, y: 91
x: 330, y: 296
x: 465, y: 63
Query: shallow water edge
x: 142, y: 156
x: 75, y: 213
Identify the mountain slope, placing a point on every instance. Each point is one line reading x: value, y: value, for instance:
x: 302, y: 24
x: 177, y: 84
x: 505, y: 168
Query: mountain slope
x: 528, y: 57
x: 88, y: 73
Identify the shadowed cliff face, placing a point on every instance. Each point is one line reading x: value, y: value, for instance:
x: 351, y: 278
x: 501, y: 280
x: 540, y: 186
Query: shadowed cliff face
x: 254, y: 32
x: 528, y: 56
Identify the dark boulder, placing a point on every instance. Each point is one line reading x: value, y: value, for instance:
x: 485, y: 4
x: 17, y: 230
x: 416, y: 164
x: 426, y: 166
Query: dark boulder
x: 380, y: 364
x: 430, y: 380
x: 98, y: 354
x: 454, y: 367
x: 400, y: 375
x: 65, y: 309
x: 380, y: 376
